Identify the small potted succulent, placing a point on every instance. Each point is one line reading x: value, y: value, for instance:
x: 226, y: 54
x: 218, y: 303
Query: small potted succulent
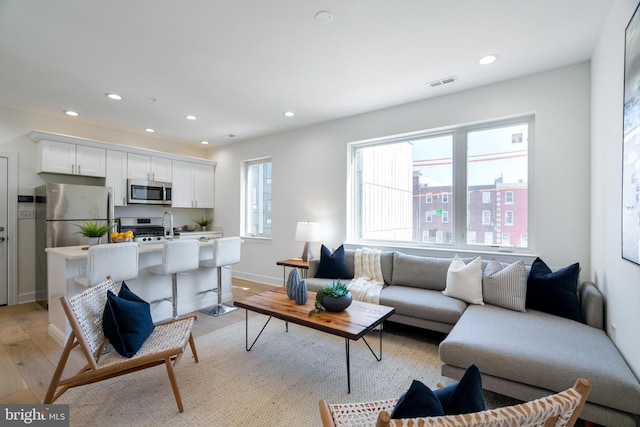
x: 334, y: 297
x: 93, y: 230
x: 204, y: 222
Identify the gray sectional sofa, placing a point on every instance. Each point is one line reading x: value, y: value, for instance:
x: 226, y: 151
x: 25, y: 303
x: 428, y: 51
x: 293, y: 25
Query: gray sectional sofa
x: 524, y: 355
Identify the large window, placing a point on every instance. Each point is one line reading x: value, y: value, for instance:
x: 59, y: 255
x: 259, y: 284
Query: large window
x: 257, y: 197
x: 477, y: 171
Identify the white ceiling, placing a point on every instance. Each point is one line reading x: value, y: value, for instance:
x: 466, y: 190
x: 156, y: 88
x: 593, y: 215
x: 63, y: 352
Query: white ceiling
x: 239, y: 64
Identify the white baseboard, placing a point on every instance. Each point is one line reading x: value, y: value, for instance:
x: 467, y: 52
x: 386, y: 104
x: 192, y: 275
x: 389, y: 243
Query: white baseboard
x: 259, y: 278
x: 57, y: 334
x: 27, y: 297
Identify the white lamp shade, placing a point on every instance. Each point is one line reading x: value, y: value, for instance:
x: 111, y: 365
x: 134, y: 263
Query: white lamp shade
x: 308, y: 232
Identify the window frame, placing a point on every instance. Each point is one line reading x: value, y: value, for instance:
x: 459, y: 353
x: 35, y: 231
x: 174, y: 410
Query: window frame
x: 246, y: 193
x: 488, y: 196
x: 508, y: 239
x: 508, y: 200
x: 508, y: 217
x: 458, y: 199
x: 486, y: 217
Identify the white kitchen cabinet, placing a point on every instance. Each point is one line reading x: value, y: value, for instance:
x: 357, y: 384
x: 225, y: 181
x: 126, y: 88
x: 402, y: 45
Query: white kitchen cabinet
x: 148, y: 168
x: 203, y: 176
x: 117, y: 176
x: 71, y: 159
x: 192, y: 185
x: 181, y: 191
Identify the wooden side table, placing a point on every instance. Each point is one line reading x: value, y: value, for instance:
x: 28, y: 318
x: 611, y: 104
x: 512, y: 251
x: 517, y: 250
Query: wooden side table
x: 293, y: 263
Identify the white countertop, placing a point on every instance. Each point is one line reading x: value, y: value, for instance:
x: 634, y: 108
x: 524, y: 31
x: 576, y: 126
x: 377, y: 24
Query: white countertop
x: 80, y: 252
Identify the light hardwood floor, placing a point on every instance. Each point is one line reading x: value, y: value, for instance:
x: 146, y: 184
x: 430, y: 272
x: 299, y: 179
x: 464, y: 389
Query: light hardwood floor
x: 28, y: 355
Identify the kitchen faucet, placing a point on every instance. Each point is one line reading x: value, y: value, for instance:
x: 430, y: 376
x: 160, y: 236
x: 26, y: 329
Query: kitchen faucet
x: 170, y: 224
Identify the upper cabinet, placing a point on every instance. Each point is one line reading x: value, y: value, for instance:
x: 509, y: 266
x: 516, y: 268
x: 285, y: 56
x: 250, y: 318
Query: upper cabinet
x: 192, y: 178
x: 117, y: 176
x: 71, y: 159
x: 203, y: 185
x: 192, y: 185
x: 148, y: 168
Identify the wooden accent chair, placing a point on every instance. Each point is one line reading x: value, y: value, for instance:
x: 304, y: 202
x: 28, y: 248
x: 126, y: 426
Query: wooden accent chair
x: 165, y: 345
x: 559, y: 410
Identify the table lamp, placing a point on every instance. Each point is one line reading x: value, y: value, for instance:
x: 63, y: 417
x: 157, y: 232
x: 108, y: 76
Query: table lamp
x: 307, y: 232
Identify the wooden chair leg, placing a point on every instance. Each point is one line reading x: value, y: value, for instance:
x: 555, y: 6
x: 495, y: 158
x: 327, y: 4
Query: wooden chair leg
x: 174, y: 384
x: 192, y: 344
x: 53, y: 385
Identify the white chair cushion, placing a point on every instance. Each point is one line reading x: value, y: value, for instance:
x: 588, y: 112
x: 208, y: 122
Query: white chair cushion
x: 226, y: 251
x: 178, y: 256
x: 118, y: 260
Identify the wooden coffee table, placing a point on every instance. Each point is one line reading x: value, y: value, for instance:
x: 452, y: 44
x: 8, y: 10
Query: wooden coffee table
x: 352, y: 324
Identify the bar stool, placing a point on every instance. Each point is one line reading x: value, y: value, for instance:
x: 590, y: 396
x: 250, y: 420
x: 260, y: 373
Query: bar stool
x: 178, y: 256
x: 118, y: 260
x: 226, y: 251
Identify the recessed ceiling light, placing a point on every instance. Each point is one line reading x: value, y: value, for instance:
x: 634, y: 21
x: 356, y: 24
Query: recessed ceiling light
x: 190, y: 117
x: 289, y: 113
x: 324, y: 17
x: 488, y: 59
x: 113, y: 96
x: 204, y: 142
x: 71, y: 113
x: 149, y: 130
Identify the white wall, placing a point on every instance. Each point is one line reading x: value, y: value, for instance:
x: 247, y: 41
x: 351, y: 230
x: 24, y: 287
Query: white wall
x: 618, y: 279
x: 310, y: 167
x: 15, y: 125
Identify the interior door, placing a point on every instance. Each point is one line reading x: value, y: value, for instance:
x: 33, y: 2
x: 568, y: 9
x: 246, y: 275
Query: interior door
x: 4, y: 247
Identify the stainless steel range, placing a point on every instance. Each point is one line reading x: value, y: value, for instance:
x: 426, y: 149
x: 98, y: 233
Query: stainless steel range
x: 145, y: 230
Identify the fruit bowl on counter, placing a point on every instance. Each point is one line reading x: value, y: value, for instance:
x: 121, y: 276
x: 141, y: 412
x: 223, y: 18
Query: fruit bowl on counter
x: 121, y: 237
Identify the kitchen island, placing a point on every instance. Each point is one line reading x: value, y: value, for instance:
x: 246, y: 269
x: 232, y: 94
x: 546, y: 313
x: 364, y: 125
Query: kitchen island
x: 65, y: 263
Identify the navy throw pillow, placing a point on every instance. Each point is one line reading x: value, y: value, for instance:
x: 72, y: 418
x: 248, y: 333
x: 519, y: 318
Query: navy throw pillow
x: 332, y: 265
x: 465, y: 396
x: 126, y: 321
x: 418, y: 401
x: 554, y: 292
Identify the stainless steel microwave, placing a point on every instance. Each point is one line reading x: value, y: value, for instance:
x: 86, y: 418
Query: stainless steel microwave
x: 148, y: 192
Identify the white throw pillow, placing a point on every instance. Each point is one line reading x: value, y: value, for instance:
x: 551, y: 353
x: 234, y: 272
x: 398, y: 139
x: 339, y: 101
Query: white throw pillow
x: 505, y: 287
x: 358, y: 270
x: 367, y: 264
x: 465, y: 281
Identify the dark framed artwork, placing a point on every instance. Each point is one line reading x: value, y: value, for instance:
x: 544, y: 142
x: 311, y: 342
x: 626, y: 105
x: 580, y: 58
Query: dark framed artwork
x: 631, y: 143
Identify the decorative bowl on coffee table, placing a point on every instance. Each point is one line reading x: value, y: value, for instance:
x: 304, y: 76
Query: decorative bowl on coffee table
x: 336, y: 304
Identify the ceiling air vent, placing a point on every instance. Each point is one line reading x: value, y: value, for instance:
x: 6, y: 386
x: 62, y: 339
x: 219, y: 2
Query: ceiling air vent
x: 443, y: 81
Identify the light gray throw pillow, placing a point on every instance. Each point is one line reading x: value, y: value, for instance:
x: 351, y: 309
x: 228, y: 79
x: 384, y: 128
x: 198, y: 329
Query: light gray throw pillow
x: 419, y: 271
x: 505, y: 286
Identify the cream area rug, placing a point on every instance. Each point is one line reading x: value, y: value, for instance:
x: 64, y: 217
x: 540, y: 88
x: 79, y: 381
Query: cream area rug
x: 277, y: 383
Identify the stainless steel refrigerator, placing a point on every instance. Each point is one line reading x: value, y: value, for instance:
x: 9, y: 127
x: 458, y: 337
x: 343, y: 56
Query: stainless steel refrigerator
x: 60, y: 208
